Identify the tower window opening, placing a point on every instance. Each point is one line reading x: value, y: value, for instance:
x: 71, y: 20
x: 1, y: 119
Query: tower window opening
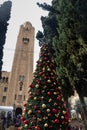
x: 25, y: 40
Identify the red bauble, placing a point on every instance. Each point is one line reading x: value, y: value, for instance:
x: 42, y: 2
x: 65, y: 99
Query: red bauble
x: 35, y: 107
x: 50, y: 126
x: 38, y: 128
x: 39, y: 111
x: 30, y: 97
x: 54, y: 110
x: 22, y: 118
x: 19, y: 128
x: 31, y: 86
x: 25, y: 105
x: 49, y: 93
x: 24, y: 110
x: 56, y: 121
x: 25, y: 121
x: 41, y: 73
x: 58, y: 98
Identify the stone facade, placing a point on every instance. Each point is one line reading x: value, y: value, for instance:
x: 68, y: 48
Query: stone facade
x: 22, y: 70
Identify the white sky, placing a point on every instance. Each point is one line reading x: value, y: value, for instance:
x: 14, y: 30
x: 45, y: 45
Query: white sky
x: 22, y: 11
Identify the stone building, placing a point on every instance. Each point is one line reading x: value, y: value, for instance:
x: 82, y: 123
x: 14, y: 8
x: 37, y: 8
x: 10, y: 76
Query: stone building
x: 14, y: 84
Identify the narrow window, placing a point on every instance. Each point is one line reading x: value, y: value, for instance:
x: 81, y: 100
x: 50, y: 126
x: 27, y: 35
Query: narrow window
x: 15, y: 97
x: 4, y: 99
x: 19, y: 97
x: 5, y: 89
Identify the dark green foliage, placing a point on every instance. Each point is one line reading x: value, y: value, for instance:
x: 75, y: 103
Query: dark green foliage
x: 5, y: 9
x: 49, y: 23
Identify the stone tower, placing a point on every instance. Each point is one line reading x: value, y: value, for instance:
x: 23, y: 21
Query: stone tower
x: 22, y: 69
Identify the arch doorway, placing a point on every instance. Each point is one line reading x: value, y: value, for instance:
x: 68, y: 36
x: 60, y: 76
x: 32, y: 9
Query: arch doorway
x: 18, y: 111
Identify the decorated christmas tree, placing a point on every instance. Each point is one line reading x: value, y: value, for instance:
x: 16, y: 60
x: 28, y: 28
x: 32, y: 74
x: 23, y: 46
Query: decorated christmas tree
x: 45, y: 108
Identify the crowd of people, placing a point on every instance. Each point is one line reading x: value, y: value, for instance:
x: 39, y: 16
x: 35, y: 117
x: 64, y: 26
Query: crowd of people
x: 7, y: 121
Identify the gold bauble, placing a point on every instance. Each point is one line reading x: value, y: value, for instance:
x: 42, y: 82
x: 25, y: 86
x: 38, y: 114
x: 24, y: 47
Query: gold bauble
x: 29, y: 112
x: 43, y: 106
x: 45, y: 125
x: 37, y: 86
x: 55, y: 93
x: 54, y: 83
x: 49, y: 81
x: 62, y: 117
x: 50, y: 100
x: 62, y: 99
x: 48, y: 69
x: 55, y: 103
x: 56, y: 115
x: 35, y: 98
x: 25, y: 125
x: 48, y: 110
x: 30, y: 104
x: 64, y: 112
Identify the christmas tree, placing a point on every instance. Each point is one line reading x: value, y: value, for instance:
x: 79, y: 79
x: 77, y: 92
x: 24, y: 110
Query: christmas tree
x: 45, y: 108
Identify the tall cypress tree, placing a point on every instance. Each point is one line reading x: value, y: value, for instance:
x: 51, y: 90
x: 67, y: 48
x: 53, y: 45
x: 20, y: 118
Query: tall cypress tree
x: 5, y: 9
x: 51, y: 33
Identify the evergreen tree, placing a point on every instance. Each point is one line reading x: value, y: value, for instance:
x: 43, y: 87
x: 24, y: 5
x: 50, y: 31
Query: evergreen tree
x: 5, y: 9
x: 50, y: 33
x: 45, y: 108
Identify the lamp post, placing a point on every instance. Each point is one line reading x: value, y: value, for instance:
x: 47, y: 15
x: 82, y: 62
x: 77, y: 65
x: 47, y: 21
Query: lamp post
x: 14, y: 117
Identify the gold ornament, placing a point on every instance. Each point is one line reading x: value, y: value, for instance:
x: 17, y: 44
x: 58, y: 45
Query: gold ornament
x: 45, y: 125
x: 50, y: 100
x: 29, y: 112
x: 25, y: 125
x: 37, y: 86
x: 62, y: 117
x: 55, y: 93
x: 62, y: 99
x: 64, y: 112
x: 43, y: 68
x: 49, y: 81
x: 48, y: 110
x: 55, y: 103
x: 56, y: 115
x: 43, y: 106
x: 30, y: 104
x: 59, y: 88
x: 54, y: 83
x: 48, y: 69
x: 35, y: 98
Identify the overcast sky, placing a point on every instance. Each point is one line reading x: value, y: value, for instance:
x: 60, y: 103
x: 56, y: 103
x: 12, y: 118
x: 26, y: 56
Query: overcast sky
x: 22, y: 11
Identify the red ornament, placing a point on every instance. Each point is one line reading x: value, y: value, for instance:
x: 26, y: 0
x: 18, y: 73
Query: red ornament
x: 56, y: 121
x: 30, y: 97
x: 31, y: 86
x: 49, y: 93
x: 41, y: 73
x: 39, y: 111
x: 25, y: 121
x: 38, y: 128
x: 22, y: 118
x: 24, y: 110
x: 58, y: 98
x: 50, y: 126
x: 19, y: 128
x: 25, y: 105
x: 54, y: 110
x: 35, y: 107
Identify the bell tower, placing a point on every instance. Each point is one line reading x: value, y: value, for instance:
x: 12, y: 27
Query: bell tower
x: 22, y: 69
